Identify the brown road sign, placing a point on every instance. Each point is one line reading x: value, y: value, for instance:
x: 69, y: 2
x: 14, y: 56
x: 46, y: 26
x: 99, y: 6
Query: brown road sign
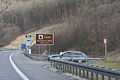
x: 45, y: 39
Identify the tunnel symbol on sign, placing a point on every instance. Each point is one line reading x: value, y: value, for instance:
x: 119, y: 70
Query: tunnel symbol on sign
x: 40, y: 37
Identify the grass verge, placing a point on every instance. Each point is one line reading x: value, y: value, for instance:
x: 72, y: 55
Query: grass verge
x: 109, y: 64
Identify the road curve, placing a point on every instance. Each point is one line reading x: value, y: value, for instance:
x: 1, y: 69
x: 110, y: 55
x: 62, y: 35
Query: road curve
x: 7, y: 72
x: 17, y: 69
x: 29, y: 69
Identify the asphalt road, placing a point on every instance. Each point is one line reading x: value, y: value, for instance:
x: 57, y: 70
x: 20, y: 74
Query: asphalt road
x: 15, y: 66
x: 7, y: 72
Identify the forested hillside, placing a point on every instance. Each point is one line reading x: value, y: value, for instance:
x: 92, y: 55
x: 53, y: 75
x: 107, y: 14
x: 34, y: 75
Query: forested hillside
x: 77, y: 24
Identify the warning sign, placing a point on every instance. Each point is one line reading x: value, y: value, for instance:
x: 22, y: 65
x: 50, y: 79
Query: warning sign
x: 45, y: 39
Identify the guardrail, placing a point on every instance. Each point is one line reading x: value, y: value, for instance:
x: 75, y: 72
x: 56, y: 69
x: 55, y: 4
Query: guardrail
x: 93, y: 59
x: 86, y: 71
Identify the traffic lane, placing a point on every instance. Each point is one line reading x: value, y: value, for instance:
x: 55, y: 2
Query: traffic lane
x: 35, y: 70
x: 6, y: 70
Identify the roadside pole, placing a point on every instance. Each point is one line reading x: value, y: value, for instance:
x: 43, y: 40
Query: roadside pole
x: 105, y: 43
x: 105, y: 51
x: 49, y: 49
x: 39, y: 49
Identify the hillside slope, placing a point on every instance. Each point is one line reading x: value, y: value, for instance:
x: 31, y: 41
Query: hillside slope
x: 77, y: 24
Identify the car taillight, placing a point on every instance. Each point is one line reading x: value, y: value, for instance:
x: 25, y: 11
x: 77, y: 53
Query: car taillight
x: 85, y: 56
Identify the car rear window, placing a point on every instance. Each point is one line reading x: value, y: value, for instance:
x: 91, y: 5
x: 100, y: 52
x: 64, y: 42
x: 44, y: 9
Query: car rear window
x: 77, y: 54
x: 67, y: 53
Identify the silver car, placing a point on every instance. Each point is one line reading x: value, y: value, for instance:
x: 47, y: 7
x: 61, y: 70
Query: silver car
x: 75, y: 56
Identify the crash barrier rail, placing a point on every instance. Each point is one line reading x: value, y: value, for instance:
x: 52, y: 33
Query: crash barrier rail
x: 86, y: 71
x: 36, y: 56
x: 93, y: 59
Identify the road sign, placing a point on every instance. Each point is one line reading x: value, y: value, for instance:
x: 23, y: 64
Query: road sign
x: 105, y: 41
x: 28, y: 40
x: 45, y: 39
x: 23, y: 46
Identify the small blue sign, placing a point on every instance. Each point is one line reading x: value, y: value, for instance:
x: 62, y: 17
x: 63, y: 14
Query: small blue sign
x: 23, y: 46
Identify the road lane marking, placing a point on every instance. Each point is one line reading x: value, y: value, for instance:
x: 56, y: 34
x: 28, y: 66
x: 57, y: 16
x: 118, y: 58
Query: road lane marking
x: 16, y: 69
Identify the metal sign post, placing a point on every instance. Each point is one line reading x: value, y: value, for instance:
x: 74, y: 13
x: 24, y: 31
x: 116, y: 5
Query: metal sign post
x: 49, y: 49
x: 105, y: 43
x: 39, y: 49
x: 106, y: 52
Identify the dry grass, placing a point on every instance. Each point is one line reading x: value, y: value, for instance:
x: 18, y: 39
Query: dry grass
x: 114, y: 56
x: 109, y: 64
x: 113, y: 60
x: 82, y: 32
x: 21, y: 39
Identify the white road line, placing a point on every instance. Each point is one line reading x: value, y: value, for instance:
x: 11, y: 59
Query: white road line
x: 16, y: 69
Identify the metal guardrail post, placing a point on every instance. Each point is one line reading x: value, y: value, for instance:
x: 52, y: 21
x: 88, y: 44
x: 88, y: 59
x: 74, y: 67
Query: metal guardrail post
x: 51, y: 63
x: 60, y: 66
x: 102, y: 77
x: 54, y: 64
x: 91, y: 75
x: 79, y: 72
x: 116, y: 79
x: 76, y: 71
x: 63, y: 68
x: 87, y: 74
x: 96, y: 76
x: 109, y: 78
x: 70, y: 69
x: 83, y: 73
x: 73, y: 70
x: 87, y: 71
x: 67, y: 68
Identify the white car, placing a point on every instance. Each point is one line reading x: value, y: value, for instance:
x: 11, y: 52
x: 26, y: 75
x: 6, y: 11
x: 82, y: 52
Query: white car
x: 75, y: 56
